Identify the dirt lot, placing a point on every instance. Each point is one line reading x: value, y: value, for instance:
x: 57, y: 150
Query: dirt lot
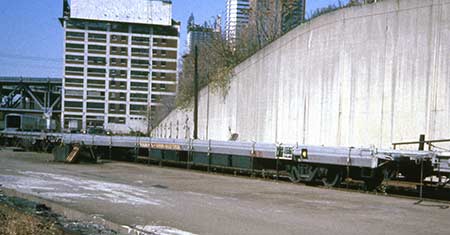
x: 13, y: 221
x: 174, y: 201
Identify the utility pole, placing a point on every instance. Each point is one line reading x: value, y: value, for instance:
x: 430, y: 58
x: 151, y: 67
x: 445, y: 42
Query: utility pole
x: 196, y: 93
x: 207, y: 108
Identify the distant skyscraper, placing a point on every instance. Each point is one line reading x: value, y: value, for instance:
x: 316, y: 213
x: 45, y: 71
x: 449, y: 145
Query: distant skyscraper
x: 237, y: 17
x: 201, y: 34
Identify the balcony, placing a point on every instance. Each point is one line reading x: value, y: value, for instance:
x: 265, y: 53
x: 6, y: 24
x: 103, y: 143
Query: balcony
x: 98, y: 61
x: 95, y: 95
x: 77, y: 48
x: 95, y: 49
x: 97, y: 38
x: 138, y: 75
x: 72, y: 82
x: 169, y: 77
x: 96, y: 84
x: 164, y: 65
x: 163, y: 54
x: 138, y: 98
x: 117, y: 96
x: 139, y: 52
x: 74, y: 71
x: 122, y: 51
x: 137, y: 86
x: 141, y: 41
x: 144, y: 64
x: 118, y: 85
x: 96, y: 72
x: 114, y: 73
x: 115, y: 62
x: 75, y: 36
x: 116, y: 39
x: 74, y: 59
x: 162, y: 42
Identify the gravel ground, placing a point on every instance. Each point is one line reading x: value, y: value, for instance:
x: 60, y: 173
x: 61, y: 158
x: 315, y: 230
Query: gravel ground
x: 175, y: 201
x: 14, y: 221
x: 23, y: 216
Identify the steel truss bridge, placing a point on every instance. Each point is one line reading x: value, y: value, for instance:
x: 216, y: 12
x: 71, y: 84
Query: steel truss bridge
x: 34, y: 96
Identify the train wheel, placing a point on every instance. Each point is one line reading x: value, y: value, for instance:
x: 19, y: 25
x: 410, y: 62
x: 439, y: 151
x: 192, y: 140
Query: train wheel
x: 294, y: 174
x: 375, y: 183
x: 372, y: 184
x: 333, y: 177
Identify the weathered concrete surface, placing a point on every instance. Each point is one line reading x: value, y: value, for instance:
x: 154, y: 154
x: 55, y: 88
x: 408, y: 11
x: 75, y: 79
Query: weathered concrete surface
x: 200, y: 203
x: 368, y: 75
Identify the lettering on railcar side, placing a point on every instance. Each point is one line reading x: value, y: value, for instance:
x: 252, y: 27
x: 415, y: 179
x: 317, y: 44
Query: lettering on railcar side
x: 160, y: 146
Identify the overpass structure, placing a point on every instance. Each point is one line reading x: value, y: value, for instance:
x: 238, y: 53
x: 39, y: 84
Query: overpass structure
x: 31, y: 96
x: 360, y: 76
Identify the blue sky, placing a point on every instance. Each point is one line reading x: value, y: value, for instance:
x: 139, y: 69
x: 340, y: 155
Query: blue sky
x: 32, y: 38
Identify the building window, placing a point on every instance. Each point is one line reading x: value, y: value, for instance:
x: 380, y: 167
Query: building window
x: 78, y: 71
x: 119, y: 51
x: 96, y: 72
x: 74, y: 59
x: 140, y: 40
x: 95, y: 37
x: 96, y: 84
x: 121, y: 28
x: 72, y: 82
x: 139, y: 52
x: 136, y: 97
x: 118, y: 85
x: 75, y: 36
x: 116, y: 73
x: 116, y: 120
x: 71, y: 47
x: 96, y: 105
x: 75, y: 25
x: 73, y: 94
x: 117, y: 96
x: 95, y: 95
x: 141, y: 29
x: 138, y: 86
x: 96, y: 49
x: 96, y: 60
x: 72, y: 104
x: 139, y: 63
x: 98, y: 26
x: 119, y: 39
x: 139, y: 74
x: 138, y: 109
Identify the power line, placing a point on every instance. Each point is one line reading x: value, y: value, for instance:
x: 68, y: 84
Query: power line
x: 24, y: 66
x: 24, y: 57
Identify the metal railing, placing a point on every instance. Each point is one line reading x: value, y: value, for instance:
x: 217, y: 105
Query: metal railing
x: 422, y: 142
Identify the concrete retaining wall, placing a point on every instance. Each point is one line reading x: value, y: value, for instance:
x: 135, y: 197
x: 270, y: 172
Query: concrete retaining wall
x: 368, y: 75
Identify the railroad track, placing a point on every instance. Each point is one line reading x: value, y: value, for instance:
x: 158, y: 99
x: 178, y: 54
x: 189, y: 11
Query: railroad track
x: 298, y: 163
x: 391, y: 188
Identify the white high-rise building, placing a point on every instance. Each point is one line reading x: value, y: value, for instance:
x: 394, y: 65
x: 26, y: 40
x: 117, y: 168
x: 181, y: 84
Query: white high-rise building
x: 120, y: 63
x: 237, y: 17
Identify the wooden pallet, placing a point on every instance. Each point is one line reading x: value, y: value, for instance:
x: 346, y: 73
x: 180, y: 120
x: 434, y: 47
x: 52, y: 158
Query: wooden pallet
x: 72, y: 157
